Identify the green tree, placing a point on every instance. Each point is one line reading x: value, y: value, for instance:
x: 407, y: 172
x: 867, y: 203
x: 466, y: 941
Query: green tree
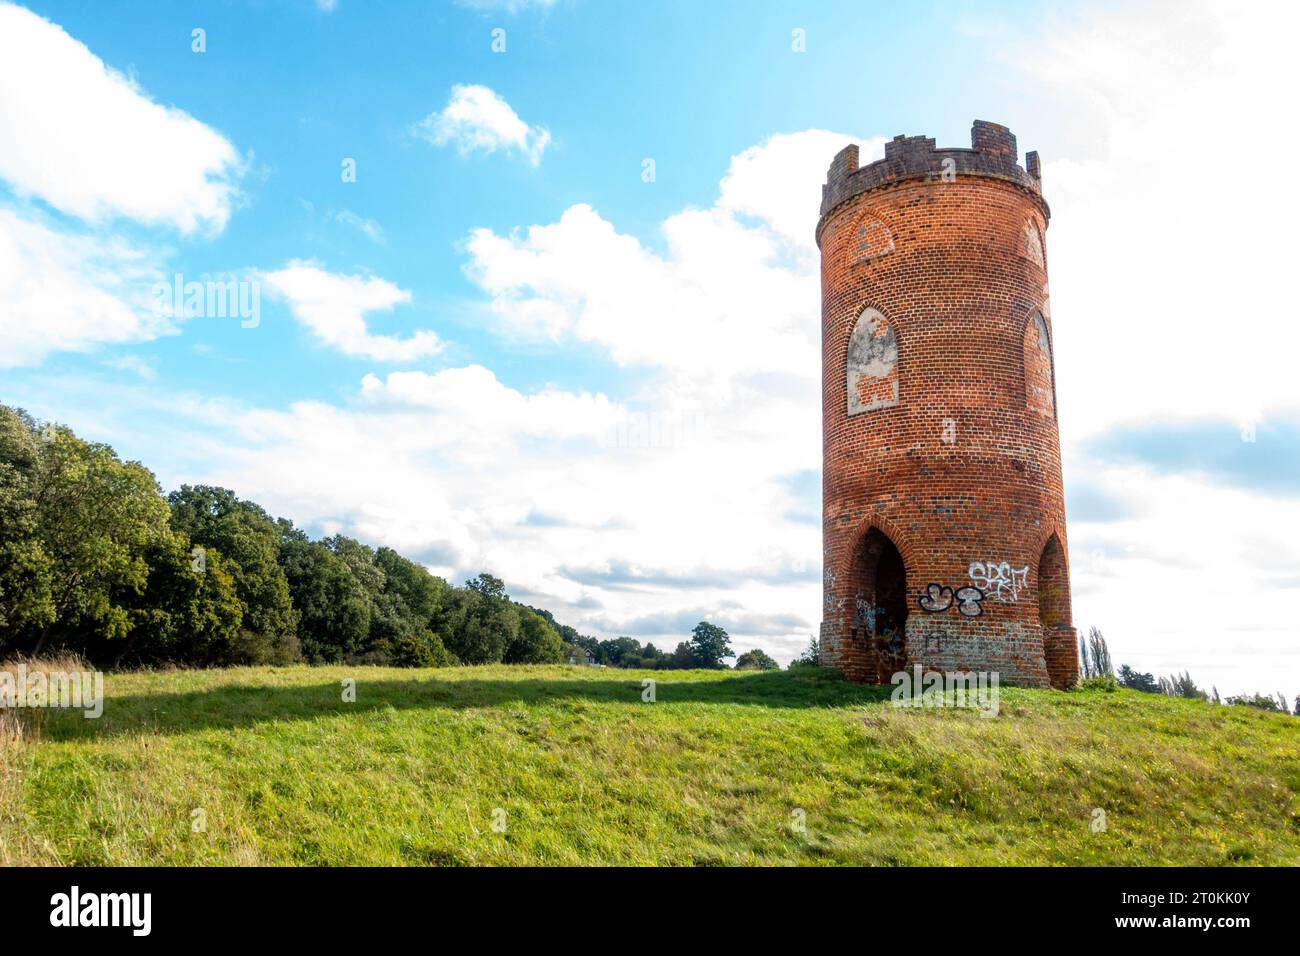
x: 1258, y: 701
x: 26, y: 570
x: 756, y: 660
x: 188, y: 613
x: 710, y: 644
x: 421, y: 592
x: 96, y: 519
x: 1134, y: 680
x: 1181, y: 685
x: 333, y: 608
x: 480, y: 621
x: 537, y: 642
x: 250, y: 541
x: 811, y: 656
x: 618, y: 651
x: 683, y: 657
x: 404, y: 614
x: 1099, y: 655
x: 399, y: 638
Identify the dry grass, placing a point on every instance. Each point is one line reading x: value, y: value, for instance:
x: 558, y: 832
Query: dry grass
x: 23, y: 723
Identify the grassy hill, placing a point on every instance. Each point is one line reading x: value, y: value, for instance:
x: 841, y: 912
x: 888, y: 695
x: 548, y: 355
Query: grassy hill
x: 711, y: 773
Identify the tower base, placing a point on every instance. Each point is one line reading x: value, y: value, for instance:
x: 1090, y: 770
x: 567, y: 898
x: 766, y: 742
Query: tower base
x: 1014, y: 651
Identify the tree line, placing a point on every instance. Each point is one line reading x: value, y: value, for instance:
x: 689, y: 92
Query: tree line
x: 94, y: 559
x: 97, y: 561
x: 1098, y: 671
x: 708, y: 647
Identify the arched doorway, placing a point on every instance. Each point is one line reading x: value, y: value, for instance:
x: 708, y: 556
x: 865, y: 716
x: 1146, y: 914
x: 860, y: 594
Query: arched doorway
x: 1054, y: 614
x: 880, y: 606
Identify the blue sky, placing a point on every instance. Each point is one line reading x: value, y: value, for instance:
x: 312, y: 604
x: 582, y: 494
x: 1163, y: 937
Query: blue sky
x: 502, y: 347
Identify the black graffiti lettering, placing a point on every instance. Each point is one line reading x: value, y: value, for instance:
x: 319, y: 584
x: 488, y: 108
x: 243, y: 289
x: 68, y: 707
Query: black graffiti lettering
x: 935, y: 599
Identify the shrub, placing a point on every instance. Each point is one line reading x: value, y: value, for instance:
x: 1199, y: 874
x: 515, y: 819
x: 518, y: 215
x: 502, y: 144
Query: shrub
x: 1104, y: 682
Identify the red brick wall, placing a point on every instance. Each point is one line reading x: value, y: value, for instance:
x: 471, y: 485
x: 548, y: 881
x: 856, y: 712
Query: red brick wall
x: 962, y: 473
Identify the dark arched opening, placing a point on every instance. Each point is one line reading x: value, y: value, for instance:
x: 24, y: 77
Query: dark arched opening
x: 880, y: 606
x: 1054, y: 614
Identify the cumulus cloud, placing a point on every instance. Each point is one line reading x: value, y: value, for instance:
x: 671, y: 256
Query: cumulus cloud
x: 1174, y: 336
x: 69, y: 291
x: 546, y: 488
x: 735, y: 296
x: 689, y: 497
x: 478, y: 120
x: 791, y: 213
x: 334, y: 308
x: 1264, y: 458
x: 88, y: 141
x: 1179, y: 303
x: 82, y: 139
x: 470, y: 405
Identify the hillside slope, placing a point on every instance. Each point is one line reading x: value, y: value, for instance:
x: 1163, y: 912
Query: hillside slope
x: 717, y: 771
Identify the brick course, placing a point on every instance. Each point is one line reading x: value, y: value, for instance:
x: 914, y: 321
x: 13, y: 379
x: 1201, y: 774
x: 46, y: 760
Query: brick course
x: 957, y: 483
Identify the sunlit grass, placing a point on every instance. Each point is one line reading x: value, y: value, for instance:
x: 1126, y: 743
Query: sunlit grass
x: 717, y: 771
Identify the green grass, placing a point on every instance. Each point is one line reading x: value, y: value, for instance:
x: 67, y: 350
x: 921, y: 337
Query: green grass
x: 287, y: 773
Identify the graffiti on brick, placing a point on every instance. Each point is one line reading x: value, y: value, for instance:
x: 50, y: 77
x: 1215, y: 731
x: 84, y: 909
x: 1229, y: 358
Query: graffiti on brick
x: 968, y: 601
x: 937, y: 598
x: 890, y: 641
x: 831, y: 602
x: 865, y: 614
x: 999, y: 580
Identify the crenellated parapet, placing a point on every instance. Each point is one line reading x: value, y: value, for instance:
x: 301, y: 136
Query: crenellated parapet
x: 992, y: 156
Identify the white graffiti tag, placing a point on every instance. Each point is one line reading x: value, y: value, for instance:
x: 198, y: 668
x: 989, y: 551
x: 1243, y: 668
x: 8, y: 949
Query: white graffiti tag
x: 999, y: 581
x: 828, y: 585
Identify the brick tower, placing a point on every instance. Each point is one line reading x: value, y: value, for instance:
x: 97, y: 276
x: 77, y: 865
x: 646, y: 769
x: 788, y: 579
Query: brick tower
x: 943, y: 514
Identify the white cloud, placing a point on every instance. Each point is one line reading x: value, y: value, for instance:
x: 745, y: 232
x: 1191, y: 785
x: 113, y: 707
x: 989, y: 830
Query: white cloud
x: 1172, y: 298
x: 88, y: 141
x: 638, y: 514
x: 469, y: 405
x: 1170, y: 289
x: 134, y: 364
x: 470, y: 474
x: 334, y: 308
x: 736, y: 294
x: 788, y: 157
x: 476, y: 119
x: 65, y: 291
x: 367, y: 227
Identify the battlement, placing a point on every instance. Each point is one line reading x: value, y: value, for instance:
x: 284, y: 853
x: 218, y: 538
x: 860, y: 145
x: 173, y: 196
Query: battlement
x: 992, y: 155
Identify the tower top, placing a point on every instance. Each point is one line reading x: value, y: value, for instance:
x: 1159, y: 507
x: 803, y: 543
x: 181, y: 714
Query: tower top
x: 992, y: 155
